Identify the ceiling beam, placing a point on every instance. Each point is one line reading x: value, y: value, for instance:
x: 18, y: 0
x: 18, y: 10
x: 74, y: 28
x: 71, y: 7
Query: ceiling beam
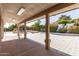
x: 49, y: 10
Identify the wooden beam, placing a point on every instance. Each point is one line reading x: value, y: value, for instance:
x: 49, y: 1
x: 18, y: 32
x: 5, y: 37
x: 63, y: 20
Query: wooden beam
x: 49, y: 10
x: 24, y: 30
x: 47, y: 40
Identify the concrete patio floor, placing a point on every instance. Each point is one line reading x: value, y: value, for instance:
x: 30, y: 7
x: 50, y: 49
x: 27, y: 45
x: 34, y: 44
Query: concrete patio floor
x: 60, y: 44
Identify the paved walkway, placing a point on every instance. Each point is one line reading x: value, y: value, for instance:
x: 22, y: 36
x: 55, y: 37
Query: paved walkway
x: 66, y: 44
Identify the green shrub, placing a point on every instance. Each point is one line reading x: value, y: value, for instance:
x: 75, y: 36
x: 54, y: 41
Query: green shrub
x: 74, y: 29
x: 53, y: 28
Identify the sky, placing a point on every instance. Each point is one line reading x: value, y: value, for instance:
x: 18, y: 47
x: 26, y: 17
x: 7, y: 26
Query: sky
x: 73, y: 14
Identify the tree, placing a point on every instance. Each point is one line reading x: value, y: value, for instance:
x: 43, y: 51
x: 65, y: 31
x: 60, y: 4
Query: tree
x: 42, y: 28
x: 63, y: 19
x: 22, y: 27
x: 36, y: 25
x: 76, y: 21
x: 10, y: 28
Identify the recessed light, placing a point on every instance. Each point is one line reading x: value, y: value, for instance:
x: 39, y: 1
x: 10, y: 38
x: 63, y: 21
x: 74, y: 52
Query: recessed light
x: 13, y: 20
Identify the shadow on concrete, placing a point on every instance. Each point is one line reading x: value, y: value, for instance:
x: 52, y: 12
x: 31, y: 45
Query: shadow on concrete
x: 27, y: 47
x: 65, y: 34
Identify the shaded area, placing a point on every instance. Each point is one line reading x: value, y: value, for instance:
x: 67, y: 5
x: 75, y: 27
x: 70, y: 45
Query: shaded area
x: 27, y: 47
x: 65, y: 34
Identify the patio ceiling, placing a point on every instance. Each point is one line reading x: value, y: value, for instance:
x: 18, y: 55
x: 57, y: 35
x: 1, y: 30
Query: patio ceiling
x: 9, y: 11
x: 32, y: 10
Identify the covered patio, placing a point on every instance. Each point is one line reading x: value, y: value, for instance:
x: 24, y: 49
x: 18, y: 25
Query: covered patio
x: 25, y: 46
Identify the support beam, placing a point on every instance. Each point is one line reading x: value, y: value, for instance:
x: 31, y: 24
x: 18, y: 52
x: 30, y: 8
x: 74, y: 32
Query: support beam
x: 24, y: 30
x: 47, y: 40
x: 18, y: 31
